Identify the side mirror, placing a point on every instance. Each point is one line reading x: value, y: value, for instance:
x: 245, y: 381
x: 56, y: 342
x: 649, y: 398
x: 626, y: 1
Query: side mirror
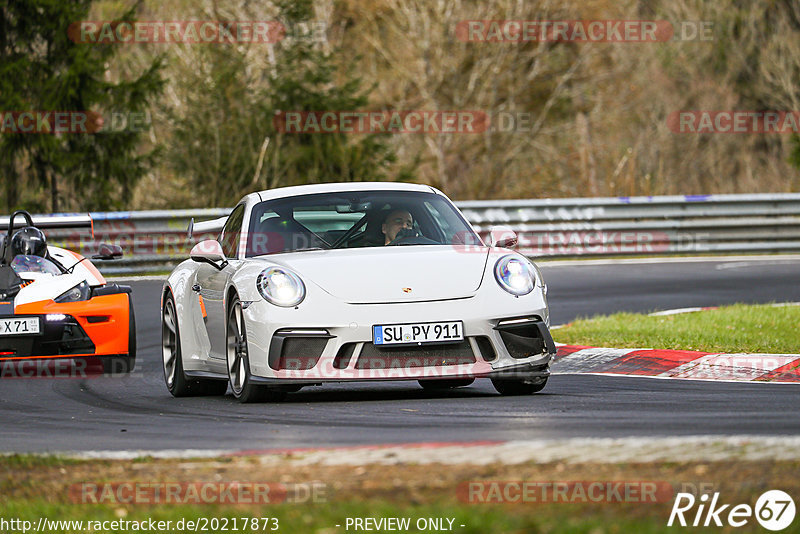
x: 108, y: 252
x: 502, y: 237
x: 209, y: 251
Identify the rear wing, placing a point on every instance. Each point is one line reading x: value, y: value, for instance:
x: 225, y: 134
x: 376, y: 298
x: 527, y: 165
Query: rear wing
x: 205, y: 227
x: 49, y: 222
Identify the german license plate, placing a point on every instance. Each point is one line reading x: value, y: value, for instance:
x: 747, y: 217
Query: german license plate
x: 398, y: 334
x: 13, y: 326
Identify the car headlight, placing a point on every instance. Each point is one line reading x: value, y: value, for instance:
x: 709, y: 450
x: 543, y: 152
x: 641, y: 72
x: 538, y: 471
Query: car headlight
x: 75, y: 294
x: 281, y: 287
x: 515, y: 275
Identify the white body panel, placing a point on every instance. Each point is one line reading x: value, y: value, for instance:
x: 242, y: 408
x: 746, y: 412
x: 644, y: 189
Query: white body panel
x: 48, y: 287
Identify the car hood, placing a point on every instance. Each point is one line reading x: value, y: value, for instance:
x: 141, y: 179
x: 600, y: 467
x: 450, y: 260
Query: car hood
x: 390, y: 274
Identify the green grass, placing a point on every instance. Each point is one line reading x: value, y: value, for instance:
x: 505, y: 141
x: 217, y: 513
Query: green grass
x: 29, y: 461
x: 737, y: 328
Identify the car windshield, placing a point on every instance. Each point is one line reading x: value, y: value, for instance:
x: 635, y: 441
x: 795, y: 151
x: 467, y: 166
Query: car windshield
x: 23, y: 263
x: 355, y: 220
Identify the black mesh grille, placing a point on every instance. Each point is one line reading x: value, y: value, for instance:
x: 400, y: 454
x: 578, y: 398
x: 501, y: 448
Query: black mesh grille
x: 486, y: 348
x: 342, y: 358
x: 301, y: 353
x: 374, y: 357
x: 523, y: 342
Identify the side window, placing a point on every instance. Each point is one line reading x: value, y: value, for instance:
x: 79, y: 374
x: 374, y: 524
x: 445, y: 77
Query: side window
x: 445, y: 228
x: 441, y: 221
x: 229, y: 238
x: 451, y: 227
x: 265, y: 235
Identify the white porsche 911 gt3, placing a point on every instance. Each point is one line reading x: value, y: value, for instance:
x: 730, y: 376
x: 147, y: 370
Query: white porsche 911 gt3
x: 352, y: 282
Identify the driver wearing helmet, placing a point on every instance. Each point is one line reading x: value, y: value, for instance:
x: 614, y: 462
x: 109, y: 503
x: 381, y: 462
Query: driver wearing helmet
x: 394, y: 222
x: 29, y: 241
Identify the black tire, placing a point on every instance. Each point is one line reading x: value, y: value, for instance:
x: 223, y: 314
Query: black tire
x: 519, y: 387
x: 123, y: 365
x: 238, y: 362
x: 178, y: 384
x: 447, y: 383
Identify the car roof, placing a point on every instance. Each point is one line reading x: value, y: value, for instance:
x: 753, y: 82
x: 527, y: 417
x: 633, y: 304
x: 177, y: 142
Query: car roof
x: 340, y: 187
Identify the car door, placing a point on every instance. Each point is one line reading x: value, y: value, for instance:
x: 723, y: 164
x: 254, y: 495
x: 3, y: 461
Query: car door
x: 213, y: 282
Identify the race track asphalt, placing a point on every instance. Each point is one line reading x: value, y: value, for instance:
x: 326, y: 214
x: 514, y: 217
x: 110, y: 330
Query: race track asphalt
x: 137, y: 413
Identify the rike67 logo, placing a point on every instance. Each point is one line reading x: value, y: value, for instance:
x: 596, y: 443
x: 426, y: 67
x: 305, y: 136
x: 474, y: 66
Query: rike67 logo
x: 774, y: 510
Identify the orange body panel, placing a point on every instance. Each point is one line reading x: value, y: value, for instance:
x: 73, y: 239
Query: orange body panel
x: 89, y: 265
x: 109, y: 337
x: 202, y: 306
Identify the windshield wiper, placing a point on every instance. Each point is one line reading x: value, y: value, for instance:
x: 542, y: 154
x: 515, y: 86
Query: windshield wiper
x: 294, y: 250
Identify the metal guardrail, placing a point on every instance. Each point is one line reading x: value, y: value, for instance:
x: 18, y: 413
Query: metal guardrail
x: 692, y: 224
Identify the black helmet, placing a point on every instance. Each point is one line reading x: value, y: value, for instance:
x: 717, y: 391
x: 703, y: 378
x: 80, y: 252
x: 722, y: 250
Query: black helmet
x: 29, y: 241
